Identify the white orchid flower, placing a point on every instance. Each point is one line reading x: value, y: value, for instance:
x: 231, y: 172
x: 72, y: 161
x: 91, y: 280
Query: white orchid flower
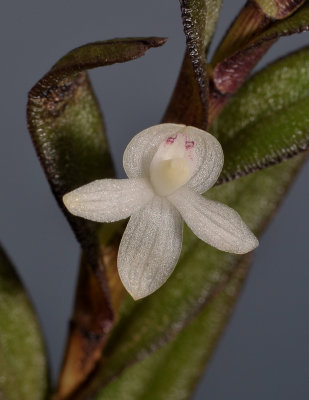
x: 168, y: 167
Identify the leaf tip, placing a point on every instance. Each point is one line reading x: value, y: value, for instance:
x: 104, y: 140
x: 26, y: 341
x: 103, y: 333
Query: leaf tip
x: 157, y: 41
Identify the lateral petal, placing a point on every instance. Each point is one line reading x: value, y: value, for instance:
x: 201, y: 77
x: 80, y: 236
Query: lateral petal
x: 208, y: 156
x: 108, y: 200
x: 150, y: 247
x: 214, y: 223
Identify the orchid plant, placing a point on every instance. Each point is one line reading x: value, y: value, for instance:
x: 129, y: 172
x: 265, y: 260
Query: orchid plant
x: 225, y: 135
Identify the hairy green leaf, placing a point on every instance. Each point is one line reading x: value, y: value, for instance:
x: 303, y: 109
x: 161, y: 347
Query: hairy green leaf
x: 66, y: 126
x: 189, y: 103
x: 171, y: 372
x: 23, y: 364
x: 268, y: 120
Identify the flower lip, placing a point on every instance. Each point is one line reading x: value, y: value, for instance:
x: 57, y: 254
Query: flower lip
x: 173, y: 164
x: 168, y: 175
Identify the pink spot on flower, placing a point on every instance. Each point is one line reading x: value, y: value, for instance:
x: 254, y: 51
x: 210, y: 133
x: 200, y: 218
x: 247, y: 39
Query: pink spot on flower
x: 171, y: 139
x: 189, y: 144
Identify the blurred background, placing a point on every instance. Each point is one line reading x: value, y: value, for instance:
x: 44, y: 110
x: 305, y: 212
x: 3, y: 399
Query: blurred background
x: 264, y: 353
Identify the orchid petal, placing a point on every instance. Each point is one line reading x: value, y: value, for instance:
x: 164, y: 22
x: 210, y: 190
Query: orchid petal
x: 150, y: 247
x: 208, y: 156
x: 213, y: 222
x: 108, y: 200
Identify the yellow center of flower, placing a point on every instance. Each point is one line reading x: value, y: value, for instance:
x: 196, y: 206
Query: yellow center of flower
x: 168, y: 175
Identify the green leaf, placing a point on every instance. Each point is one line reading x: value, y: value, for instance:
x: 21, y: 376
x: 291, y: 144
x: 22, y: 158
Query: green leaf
x: 171, y: 372
x: 268, y: 120
x: 189, y: 103
x: 66, y: 127
x: 23, y: 365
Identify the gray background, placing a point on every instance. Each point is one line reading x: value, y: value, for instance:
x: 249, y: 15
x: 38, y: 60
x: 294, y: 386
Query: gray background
x: 264, y: 353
